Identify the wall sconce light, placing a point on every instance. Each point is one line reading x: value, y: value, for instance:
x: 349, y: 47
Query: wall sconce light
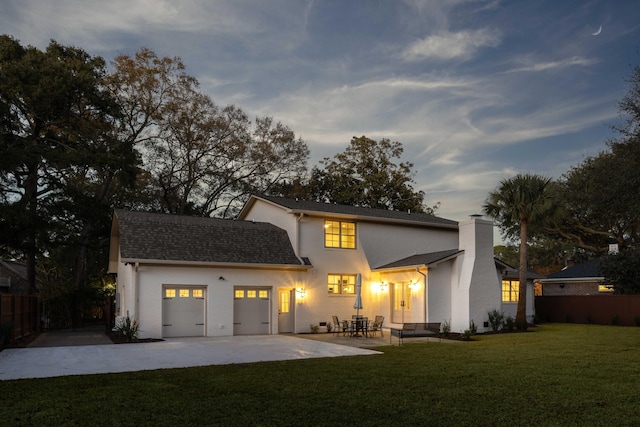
x: 221, y: 278
x: 414, y: 285
x: 301, y: 292
x: 384, y: 286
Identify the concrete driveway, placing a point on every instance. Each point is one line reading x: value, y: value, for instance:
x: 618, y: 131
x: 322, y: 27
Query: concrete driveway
x: 43, y: 362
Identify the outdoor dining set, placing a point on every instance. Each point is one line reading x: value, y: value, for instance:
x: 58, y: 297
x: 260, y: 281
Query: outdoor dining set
x: 358, y: 326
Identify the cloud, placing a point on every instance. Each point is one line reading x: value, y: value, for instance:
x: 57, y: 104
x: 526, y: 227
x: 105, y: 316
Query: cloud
x: 552, y: 65
x: 446, y: 45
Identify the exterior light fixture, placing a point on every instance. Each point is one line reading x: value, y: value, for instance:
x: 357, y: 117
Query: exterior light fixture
x: 384, y: 286
x: 301, y: 292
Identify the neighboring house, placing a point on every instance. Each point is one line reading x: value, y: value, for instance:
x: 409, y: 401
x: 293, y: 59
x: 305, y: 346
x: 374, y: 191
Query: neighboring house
x: 580, y: 279
x: 286, y: 264
x: 510, y: 286
x: 13, y: 277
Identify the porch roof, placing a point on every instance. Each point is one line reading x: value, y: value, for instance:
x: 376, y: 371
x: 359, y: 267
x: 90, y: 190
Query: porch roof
x: 428, y: 259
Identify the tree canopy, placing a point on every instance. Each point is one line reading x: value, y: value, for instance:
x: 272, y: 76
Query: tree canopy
x: 366, y: 174
x: 522, y: 206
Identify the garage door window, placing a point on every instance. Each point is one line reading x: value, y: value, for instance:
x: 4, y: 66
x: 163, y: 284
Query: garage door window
x: 264, y: 294
x: 197, y: 293
x: 240, y: 293
x: 169, y: 293
x: 184, y: 293
x: 251, y: 294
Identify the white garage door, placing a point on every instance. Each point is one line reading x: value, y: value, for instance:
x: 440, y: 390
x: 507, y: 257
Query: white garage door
x: 251, y: 311
x: 183, y: 311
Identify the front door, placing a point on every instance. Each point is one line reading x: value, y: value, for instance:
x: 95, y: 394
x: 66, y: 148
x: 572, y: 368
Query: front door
x: 401, y: 303
x: 285, y: 311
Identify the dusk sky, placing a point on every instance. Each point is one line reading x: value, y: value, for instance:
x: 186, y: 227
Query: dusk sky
x: 476, y: 91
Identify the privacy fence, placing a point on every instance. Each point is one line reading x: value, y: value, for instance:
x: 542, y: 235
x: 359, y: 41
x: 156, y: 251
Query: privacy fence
x: 598, y: 309
x: 21, y: 312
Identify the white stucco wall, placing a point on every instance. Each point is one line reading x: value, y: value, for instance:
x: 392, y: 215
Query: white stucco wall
x: 477, y: 292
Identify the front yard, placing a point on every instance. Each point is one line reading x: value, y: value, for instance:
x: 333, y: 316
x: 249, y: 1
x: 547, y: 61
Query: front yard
x: 560, y: 374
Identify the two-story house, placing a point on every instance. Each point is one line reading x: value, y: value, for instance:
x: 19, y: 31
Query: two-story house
x: 285, y: 264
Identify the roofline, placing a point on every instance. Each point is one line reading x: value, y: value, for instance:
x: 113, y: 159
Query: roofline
x: 325, y: 214
x: 13, y: 270
x: 572, y: 279
x: 216, y: 264
x: 413, y: 266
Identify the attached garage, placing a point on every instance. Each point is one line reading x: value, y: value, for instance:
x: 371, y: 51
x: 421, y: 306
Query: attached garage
x: 251, y: 311
x: 183, y: 311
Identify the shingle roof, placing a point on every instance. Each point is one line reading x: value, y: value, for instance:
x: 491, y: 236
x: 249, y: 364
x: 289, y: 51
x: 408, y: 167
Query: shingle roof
x: 148, y: 236
x: 586, y: 269
x: 421, y: 259
x: 360, y: 212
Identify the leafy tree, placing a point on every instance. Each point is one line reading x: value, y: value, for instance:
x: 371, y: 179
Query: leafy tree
x: 522, y: 205
x: 55, y: 114
x: 199, y: 158
x: 366, y: 175
x: 623, y: 270
x: 601, y: 194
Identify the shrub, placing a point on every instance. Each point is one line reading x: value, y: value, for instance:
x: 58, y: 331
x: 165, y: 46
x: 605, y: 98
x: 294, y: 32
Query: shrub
x: 468, y: 333
x: 314, y: 328
x: 510, y: 323
x: 329, y: 327
x: 6, y: 333
x: 446, y: 328
x: 128, y: 328
x: 496, y: 319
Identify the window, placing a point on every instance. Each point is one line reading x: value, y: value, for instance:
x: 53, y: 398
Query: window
x: 263, y: 294
x: 184, y: 293
x: 510, y: 290
x: 341, y: 283
x: 340, y: 234
x: 239, y: 293
x: 251, y: 294
x: 607, y: 287
x: 197, y: 293
x: 169, y: 293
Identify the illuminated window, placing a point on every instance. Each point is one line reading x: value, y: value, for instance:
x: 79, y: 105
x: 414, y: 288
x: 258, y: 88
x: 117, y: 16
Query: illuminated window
x: 263, y: 294
x: 537, y: 289
x: 510, y: 290
x: 197, y: 293
x: 340, y: 234
x: 341, y: 283
x: 251, y: 294
x: 605, y: 288
x: 184, y: 293
x: 239, y: 293
x: 169, y: 293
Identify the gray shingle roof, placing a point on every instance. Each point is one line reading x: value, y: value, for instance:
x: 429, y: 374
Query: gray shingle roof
x: 421, y: 259
x: 330, y: 208
x: 148, y: 236
x: 586, y: 269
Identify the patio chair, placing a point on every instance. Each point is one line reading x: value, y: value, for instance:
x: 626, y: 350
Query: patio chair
x: 339, y: 326
x: 376, y: 326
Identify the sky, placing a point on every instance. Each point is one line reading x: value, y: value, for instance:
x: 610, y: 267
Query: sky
x: 476, y: 91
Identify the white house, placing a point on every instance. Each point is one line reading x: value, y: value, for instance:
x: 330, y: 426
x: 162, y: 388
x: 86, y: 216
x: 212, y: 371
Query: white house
x: 285, y: 264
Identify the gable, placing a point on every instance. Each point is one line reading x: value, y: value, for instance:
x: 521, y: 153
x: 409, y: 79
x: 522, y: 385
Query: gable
x: 163, y: 237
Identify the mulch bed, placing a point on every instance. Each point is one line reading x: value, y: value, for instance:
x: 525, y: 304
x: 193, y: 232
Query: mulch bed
x: 121, y: 339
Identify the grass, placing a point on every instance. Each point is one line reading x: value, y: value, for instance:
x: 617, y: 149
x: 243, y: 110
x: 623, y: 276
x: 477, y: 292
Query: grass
x: 555, y: 375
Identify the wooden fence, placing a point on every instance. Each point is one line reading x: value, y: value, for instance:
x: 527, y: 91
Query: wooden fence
x: 598, y: 309
x: 21, y: 311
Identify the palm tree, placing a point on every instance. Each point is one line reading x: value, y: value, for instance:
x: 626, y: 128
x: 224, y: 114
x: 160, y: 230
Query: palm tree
x: 522, y: 205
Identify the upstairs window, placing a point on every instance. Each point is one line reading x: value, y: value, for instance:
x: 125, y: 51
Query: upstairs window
x: 340, y: 234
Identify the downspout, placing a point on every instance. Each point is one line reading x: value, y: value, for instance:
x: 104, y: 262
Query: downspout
x: 136, y: 292
x: 426, y: 312
x: 298, y: 219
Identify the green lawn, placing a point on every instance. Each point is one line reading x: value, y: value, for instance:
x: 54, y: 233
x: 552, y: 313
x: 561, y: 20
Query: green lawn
x: 554, y: 375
